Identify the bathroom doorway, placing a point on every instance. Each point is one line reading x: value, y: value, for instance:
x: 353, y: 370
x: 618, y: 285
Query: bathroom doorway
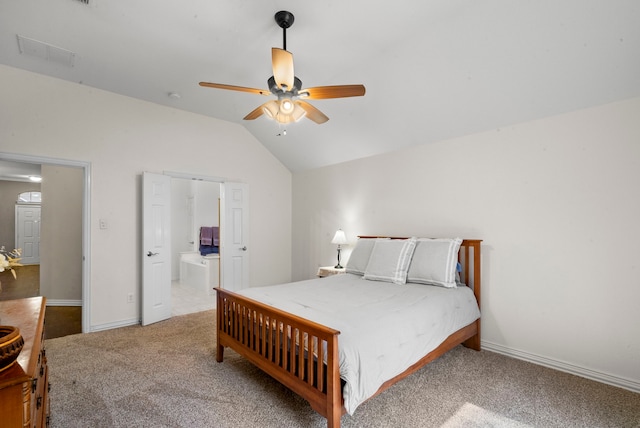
x: 195, y: 204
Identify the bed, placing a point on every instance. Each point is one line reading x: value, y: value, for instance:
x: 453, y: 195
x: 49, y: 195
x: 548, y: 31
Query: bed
x: 295, y: 339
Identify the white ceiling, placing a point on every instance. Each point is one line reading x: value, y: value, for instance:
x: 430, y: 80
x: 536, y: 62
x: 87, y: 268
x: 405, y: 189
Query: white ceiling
x: 433, y: 69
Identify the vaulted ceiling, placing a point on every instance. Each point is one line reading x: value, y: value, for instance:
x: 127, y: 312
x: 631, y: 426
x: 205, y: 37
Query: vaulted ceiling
x: 433, y: 69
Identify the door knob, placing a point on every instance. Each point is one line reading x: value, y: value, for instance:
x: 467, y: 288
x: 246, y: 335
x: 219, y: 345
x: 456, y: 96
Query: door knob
x: 150, y: 254
x: 244, y: 248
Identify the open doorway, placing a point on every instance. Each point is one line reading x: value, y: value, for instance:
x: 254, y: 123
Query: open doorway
x: 195, y: 263
x: 64, y: 210
x: 157, y: 248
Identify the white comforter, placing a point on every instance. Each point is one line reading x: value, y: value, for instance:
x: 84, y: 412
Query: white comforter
x: 368, y: 314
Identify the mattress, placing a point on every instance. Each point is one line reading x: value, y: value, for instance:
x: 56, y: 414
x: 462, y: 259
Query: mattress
x: 412, y: 318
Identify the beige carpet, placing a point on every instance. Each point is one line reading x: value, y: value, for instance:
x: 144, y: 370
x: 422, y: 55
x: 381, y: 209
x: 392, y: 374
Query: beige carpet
x: 165, y: 375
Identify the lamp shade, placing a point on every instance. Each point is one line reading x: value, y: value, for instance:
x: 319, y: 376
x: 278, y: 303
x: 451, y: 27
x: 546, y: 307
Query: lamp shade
x: 271, y: 109
x: 339, y: 238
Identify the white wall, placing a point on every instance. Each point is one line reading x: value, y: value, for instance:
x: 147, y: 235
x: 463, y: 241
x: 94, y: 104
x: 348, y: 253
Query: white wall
x: 556, y: 203
x: 180, y: 224
x: 61, y: 235
x: 207, y: 194
x: 122, y: 137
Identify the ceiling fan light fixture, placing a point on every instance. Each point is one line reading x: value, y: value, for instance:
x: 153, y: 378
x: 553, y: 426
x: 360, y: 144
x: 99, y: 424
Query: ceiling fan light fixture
x: 271, y: 109
x: 298, y: 113
x: 286, y: 106
x: 284, y: 118
x: 290, y: 105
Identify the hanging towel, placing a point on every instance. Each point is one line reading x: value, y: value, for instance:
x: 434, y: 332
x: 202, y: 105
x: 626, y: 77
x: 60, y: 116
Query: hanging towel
x: 206, y: 235
x: 208, y: 249
x: 216, y: 236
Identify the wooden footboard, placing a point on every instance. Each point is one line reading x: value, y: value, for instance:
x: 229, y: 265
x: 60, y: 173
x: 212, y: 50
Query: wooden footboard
x: 300, y: 354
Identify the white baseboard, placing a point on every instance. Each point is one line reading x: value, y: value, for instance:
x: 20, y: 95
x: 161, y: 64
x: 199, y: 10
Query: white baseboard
x: 630, y: 384
x: 117, y: 324
x: 62, y: 302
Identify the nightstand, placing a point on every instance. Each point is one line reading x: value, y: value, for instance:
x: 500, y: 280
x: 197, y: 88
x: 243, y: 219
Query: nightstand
x: 328, y: 271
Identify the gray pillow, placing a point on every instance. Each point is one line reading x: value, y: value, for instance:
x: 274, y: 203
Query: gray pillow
x: 390, y: 260
x: 359, y: 257
x: 434, y: 262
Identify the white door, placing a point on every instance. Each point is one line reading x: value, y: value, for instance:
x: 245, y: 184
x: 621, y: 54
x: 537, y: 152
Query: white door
x: 156, y: 244
x: 234, y: 252
x: 28, y: 233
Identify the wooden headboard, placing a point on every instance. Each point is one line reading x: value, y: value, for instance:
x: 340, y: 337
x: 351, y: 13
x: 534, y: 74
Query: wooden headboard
x: 469, y: 258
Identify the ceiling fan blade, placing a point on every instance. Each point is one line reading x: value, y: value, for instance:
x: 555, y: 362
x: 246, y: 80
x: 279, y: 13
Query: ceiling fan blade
x: 235, y: 88
x: 282, y: 62
x: 313, y: 113
x: 337, y: 91
x: 256, y: 113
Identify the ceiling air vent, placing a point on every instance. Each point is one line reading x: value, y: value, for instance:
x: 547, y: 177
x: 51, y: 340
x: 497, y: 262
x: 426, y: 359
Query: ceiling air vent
x: 45, y: 51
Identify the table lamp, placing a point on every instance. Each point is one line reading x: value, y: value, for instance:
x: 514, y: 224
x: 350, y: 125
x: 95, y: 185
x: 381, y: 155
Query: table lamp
x: 339, y: 238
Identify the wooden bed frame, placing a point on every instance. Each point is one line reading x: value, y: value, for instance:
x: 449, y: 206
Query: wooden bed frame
x: 263, y: 335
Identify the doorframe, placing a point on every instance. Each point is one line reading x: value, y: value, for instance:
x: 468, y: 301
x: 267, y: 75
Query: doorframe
x: 86, y: 215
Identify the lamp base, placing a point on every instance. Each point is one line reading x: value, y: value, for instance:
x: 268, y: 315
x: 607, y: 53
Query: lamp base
x: 338, y: 266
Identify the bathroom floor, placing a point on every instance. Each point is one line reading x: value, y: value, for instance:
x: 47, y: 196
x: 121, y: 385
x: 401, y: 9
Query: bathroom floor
x: 186, y: 300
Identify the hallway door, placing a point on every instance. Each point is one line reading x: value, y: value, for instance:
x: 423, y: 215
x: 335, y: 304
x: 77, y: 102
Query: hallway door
x: 28, y: 233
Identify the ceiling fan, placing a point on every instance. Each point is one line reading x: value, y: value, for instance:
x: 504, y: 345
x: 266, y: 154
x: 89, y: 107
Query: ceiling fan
x: 290, y: 105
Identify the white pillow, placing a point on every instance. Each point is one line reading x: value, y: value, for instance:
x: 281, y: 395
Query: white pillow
x: 434, y: 262
x: 390, y: 260
x: 359, y: 257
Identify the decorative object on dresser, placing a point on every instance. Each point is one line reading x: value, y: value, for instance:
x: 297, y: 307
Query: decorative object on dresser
x: 9, y: 261
x: 24, y: 385
x: 11, y: 343
x: 324, y: 271
x: 340, y: 239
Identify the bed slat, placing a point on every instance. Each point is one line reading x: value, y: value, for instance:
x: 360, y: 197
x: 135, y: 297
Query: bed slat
x: 273, y: 339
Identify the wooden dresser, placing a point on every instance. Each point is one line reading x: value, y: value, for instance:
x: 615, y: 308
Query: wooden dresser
x: 24, y: 386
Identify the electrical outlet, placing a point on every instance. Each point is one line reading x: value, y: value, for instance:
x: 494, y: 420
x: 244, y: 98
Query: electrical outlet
x: 103, y: 224
x: 130, y: 298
